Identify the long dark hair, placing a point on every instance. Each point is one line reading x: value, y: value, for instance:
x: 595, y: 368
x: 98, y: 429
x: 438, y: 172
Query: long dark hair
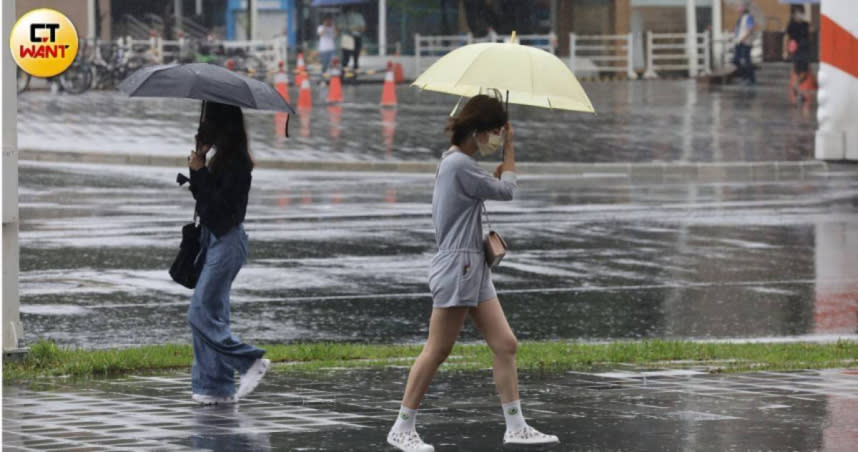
x: 480, y: 114
x: 223, y: 127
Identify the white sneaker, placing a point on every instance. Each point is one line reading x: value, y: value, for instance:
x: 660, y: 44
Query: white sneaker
x: 213, y: 400
x: 408, y: 442
x: 528, y: 435
x: 250, y: 379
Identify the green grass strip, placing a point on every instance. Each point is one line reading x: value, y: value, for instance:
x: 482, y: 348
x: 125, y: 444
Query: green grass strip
x: 46, y: 359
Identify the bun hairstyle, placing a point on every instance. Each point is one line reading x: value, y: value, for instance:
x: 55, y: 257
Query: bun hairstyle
x: 480, y: 114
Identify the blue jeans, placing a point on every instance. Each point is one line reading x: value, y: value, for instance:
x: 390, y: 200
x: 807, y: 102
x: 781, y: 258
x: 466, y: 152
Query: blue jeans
x: 742, y: 60
x: 217, y: 353
x: 325, y: 58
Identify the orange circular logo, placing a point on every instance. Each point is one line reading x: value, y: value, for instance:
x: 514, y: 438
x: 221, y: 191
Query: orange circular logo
x: 44, y: 42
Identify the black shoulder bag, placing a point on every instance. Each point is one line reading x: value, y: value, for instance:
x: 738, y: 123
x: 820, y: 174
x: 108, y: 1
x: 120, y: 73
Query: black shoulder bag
x: 189, y: 262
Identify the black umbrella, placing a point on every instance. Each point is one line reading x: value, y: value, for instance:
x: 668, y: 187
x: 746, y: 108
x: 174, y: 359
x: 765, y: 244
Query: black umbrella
x: 205, y: 82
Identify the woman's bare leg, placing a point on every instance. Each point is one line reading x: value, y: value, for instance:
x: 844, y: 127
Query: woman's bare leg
x: 491, y: 322
x: 444, y: 328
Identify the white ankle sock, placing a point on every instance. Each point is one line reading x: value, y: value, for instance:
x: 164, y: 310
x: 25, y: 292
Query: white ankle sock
x: 405, y: 421
x: 513, y: 416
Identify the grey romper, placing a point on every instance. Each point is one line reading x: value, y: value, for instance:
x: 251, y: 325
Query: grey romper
x: 459, y: 275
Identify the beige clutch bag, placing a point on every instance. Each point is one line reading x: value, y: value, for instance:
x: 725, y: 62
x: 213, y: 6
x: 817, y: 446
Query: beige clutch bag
x: 495, y: 246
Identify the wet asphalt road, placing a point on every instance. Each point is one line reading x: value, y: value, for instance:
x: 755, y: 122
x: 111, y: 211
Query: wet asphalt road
x: 641, y: 121
x: 628, y: 409
x: 344, y: 257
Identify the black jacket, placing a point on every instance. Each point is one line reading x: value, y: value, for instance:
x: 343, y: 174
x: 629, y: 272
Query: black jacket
x: 221, y: 198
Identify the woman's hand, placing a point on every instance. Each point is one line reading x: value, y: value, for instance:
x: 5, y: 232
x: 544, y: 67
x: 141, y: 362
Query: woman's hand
x: 508, y: 150
x: 507, y: 135
x: 196, y: 160
x: 202, y: 149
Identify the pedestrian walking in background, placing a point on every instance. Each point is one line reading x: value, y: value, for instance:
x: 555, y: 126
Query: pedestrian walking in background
x: 327, y: 44
x: 220, y: 185
x: 744, y: 38
x: 797, y: 35
x: 352, y: 25
x: 804, y: 87
x: 460, y: 279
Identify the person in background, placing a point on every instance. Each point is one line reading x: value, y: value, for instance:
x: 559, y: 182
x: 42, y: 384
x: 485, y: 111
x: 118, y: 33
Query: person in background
x: 797, y: 37
x: 352, y: 23
x: 327, y: 44
x: 804, y: 87
x: 744, y: 37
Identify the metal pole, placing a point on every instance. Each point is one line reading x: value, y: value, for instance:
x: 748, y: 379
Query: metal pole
x: 630, y: 58
x: 198, y: 8
x: 13, y: 332
x: 572, y: 50
x: 417, y: 51
x: 691, y: 36
x: 177, y: 7
x: 717, y: 28
x: 254, y: 19
x: 650, y: 61
x: 382, y: 27
x: 91, y: 19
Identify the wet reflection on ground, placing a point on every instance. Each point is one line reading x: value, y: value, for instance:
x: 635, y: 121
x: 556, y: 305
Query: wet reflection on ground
x: 670, y: 120
x: 625, y: 409
x: 344, y: 257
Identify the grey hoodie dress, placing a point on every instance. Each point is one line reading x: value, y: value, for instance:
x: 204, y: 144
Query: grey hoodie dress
x: 459, y: 275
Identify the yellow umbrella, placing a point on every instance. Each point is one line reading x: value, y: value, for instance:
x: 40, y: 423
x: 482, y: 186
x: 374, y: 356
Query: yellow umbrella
x: 528, y: 76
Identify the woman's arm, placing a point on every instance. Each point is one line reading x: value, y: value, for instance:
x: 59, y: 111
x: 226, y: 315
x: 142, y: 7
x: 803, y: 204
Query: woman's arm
x: 479, y: 184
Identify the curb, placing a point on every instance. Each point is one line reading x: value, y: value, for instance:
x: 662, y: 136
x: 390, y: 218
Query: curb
x: 650, y: 171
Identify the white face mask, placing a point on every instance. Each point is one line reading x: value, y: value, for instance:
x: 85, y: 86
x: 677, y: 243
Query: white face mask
x: 490, y: 146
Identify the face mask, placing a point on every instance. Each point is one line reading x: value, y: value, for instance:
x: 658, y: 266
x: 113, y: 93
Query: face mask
x: 490, y: 146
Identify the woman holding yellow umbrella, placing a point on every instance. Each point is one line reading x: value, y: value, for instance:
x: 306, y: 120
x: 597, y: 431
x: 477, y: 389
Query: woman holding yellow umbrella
x: 460, y: 278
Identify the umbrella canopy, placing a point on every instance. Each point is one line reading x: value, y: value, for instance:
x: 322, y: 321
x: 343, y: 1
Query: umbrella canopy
x: 528, y: 75
x: 205, y: 82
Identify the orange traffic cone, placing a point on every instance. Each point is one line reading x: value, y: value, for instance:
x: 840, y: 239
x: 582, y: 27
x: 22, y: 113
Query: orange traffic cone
x: 305, y: 96
x: 335, y: 115
x: 280, y: 121
x: 305, y: 113
x: 388, y: 96
x: 300, y: 70
x: 281, y: 83
x: 398, y: 75
x: 388, y: 129
x: 335, y: 89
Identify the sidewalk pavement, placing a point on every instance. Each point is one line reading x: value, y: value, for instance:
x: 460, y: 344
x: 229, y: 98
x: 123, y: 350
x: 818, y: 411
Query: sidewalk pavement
x: 344, y: 410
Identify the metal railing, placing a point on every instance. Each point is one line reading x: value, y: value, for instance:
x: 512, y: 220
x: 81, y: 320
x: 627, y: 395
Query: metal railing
x: 604, y: 53
x: 670, y: 52
x: 440, y: 45
x: 663, y: 52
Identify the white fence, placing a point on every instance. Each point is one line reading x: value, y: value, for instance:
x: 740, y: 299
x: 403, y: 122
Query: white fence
x: 593, y: 54
x: 604, y: 53
x: 671, y: 52
x: 428, y: 48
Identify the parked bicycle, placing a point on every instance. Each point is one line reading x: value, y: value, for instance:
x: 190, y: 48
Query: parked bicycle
x: 105, y: 66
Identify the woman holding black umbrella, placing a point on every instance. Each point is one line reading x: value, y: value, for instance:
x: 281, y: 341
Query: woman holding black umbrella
x: 220, y: 185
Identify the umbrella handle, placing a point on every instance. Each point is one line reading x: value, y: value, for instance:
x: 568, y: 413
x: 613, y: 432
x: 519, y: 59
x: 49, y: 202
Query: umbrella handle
x: 203, y: 112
